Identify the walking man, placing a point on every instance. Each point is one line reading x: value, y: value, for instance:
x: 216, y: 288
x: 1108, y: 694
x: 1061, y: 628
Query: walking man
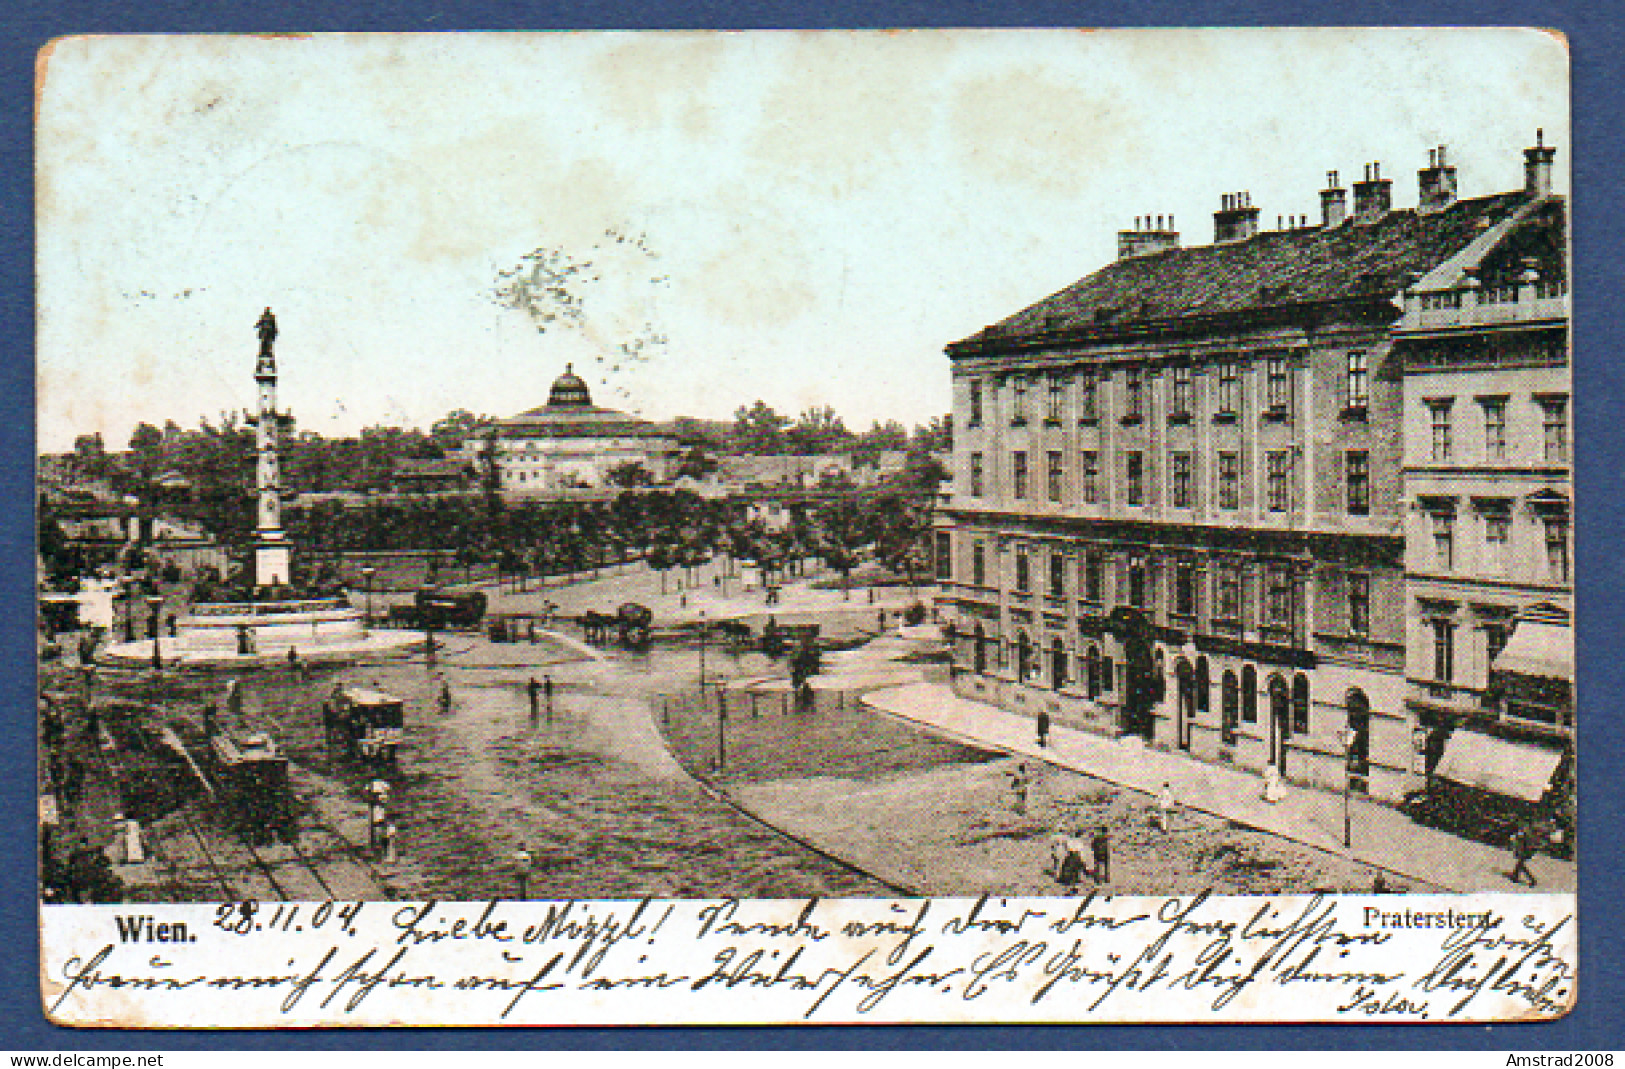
x: 1523, y: 848
x: 445, y: 698
x: 534, y: 688
x: 547, y: 695
x: 1043, y: 728
x: 1166, y: 805
x: 1102, y: 847
x: 1019, y: 783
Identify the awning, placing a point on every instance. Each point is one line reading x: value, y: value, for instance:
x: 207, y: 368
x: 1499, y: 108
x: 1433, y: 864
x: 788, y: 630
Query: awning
x: 1540, y: 650
x: 1513, y: 769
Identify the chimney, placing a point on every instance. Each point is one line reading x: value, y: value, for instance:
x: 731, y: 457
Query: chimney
x: 1537, y: 167
x: 1236, y: 219
x: 1148, y: 236
x: 1334, y: 201
x: 1374, y: 197
x: 1436, y: 183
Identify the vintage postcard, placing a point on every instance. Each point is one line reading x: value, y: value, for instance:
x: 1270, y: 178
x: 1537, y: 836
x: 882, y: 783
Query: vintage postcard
x: 774, y: 527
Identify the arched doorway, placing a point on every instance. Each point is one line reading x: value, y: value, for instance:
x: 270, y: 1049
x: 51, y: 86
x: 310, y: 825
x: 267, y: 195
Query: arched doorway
x: 1092, y: 670
x: 979, y: 650
x: 1204, y: 687
x: 1249, y: 695
x: 1143, y: 681
x: 1024, y: 657
x: 1359, y: 726
x: 1280, y: 725
x: 1229, y: 708
x: 1184, y: 703
x: 1057, y: 664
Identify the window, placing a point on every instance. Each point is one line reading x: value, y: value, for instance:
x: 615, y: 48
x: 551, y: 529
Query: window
x: 1137, y: 595
x: 1134, y: 478
x: 1495, y: 428
x: 1134, y: 395
x: 1018, y: 401
x: 1057, y: 575
x: 1229, y: 481
x: 975, y: 390
x: 1444, y: 541
x: 976, y: 481
x: 1444, y: 650
x: 978, y: 565
x: 1184, y: 394
x: 1497, y: 536
x: 1229, y: 388
x: 1359, y: 591
x: 1182, y: 481
x: 1018, y: 471
x: 1094, y: 578
x: 1557, y: 548
x: 1229, y: 594
x: 1054, y: 477
x: 1089, y: 476
x: 1088, y: 395
x: 1439, y: 417
x: 945, y: 562
x: 1555, y: 423
x: 1275, y: 468
x: 1057, y: 399
x: 1276, y: 391
x: 1357, y: 467
x: 1278, y: 602
x: 1024, y: 575
x: 1359, y: 383
x: 1185, y: 589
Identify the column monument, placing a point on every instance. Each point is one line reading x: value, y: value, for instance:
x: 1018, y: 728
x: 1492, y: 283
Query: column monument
x: 272, y: 553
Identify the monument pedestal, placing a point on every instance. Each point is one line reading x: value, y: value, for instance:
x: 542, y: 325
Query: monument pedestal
x: 273, y: 563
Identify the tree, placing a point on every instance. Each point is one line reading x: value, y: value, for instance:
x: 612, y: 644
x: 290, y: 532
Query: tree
x: 759, y: 430
x: 629, y: 474
x: 818, y: 430
x: 455, y: 428
x: 937, y: 436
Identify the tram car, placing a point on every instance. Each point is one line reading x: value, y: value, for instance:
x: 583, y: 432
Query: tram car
x: 251, y: 775
x: 445, y: 610
x: 368, y: 724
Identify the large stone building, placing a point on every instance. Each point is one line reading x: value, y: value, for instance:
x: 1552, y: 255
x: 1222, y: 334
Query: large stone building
x: 1484, y: 346
x: 1177, y: 507
x: 571, y: 443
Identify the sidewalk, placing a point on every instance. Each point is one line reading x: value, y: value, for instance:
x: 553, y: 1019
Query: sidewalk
x: 1383, y: 837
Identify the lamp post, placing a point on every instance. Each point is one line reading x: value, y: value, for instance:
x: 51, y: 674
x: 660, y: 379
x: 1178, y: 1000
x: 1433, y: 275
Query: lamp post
x: 128, y: 597
x: 366, y: 576
x: 155, y: 602
x: 1347, y: 737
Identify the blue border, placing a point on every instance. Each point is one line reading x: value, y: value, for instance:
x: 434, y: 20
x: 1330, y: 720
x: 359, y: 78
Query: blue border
x: 1594, y: 31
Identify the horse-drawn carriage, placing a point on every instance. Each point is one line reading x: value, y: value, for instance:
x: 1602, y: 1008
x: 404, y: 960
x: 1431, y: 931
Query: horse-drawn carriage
x: 368, y: 725
x: 632, y: 623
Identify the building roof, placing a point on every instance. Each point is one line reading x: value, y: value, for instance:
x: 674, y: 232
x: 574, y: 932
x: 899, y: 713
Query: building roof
x: 1273, y: 269
x: 570, y: 413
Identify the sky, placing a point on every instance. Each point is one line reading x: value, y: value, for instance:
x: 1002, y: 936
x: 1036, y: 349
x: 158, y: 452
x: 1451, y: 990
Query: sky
x: 803, y: 218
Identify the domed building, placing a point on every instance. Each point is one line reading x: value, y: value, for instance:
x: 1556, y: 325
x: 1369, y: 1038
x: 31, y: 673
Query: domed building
x: 571, y: 443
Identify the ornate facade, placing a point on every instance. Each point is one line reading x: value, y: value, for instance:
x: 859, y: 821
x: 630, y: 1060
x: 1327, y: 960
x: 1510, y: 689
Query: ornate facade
x: 1177, y: 507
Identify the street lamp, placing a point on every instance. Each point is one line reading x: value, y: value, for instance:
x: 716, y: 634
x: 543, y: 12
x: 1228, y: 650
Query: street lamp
x: 366, y: 575
x: 1347, y: 737
x: 155, y: 602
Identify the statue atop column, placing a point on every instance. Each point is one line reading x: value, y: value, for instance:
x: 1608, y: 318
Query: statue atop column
x: 266, y: 328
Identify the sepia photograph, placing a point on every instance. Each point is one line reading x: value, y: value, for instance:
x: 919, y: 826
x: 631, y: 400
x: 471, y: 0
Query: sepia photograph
x: 829, y: 487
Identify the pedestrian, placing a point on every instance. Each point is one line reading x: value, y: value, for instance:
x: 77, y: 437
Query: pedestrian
x: 880, y: 619
x: 1043, y: 728
x: 1164, y: 815
x: 1071, y: 864
x: 234, y: 697
x: 390, y: 856
x: 445, y: 698
x: 522, y: 862
x: 1101, y: 845
x: 547, y: 694
x: 1019, y: 784
x: 532, y: 690
x: 1523, y: 848
x: 293, y: 659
